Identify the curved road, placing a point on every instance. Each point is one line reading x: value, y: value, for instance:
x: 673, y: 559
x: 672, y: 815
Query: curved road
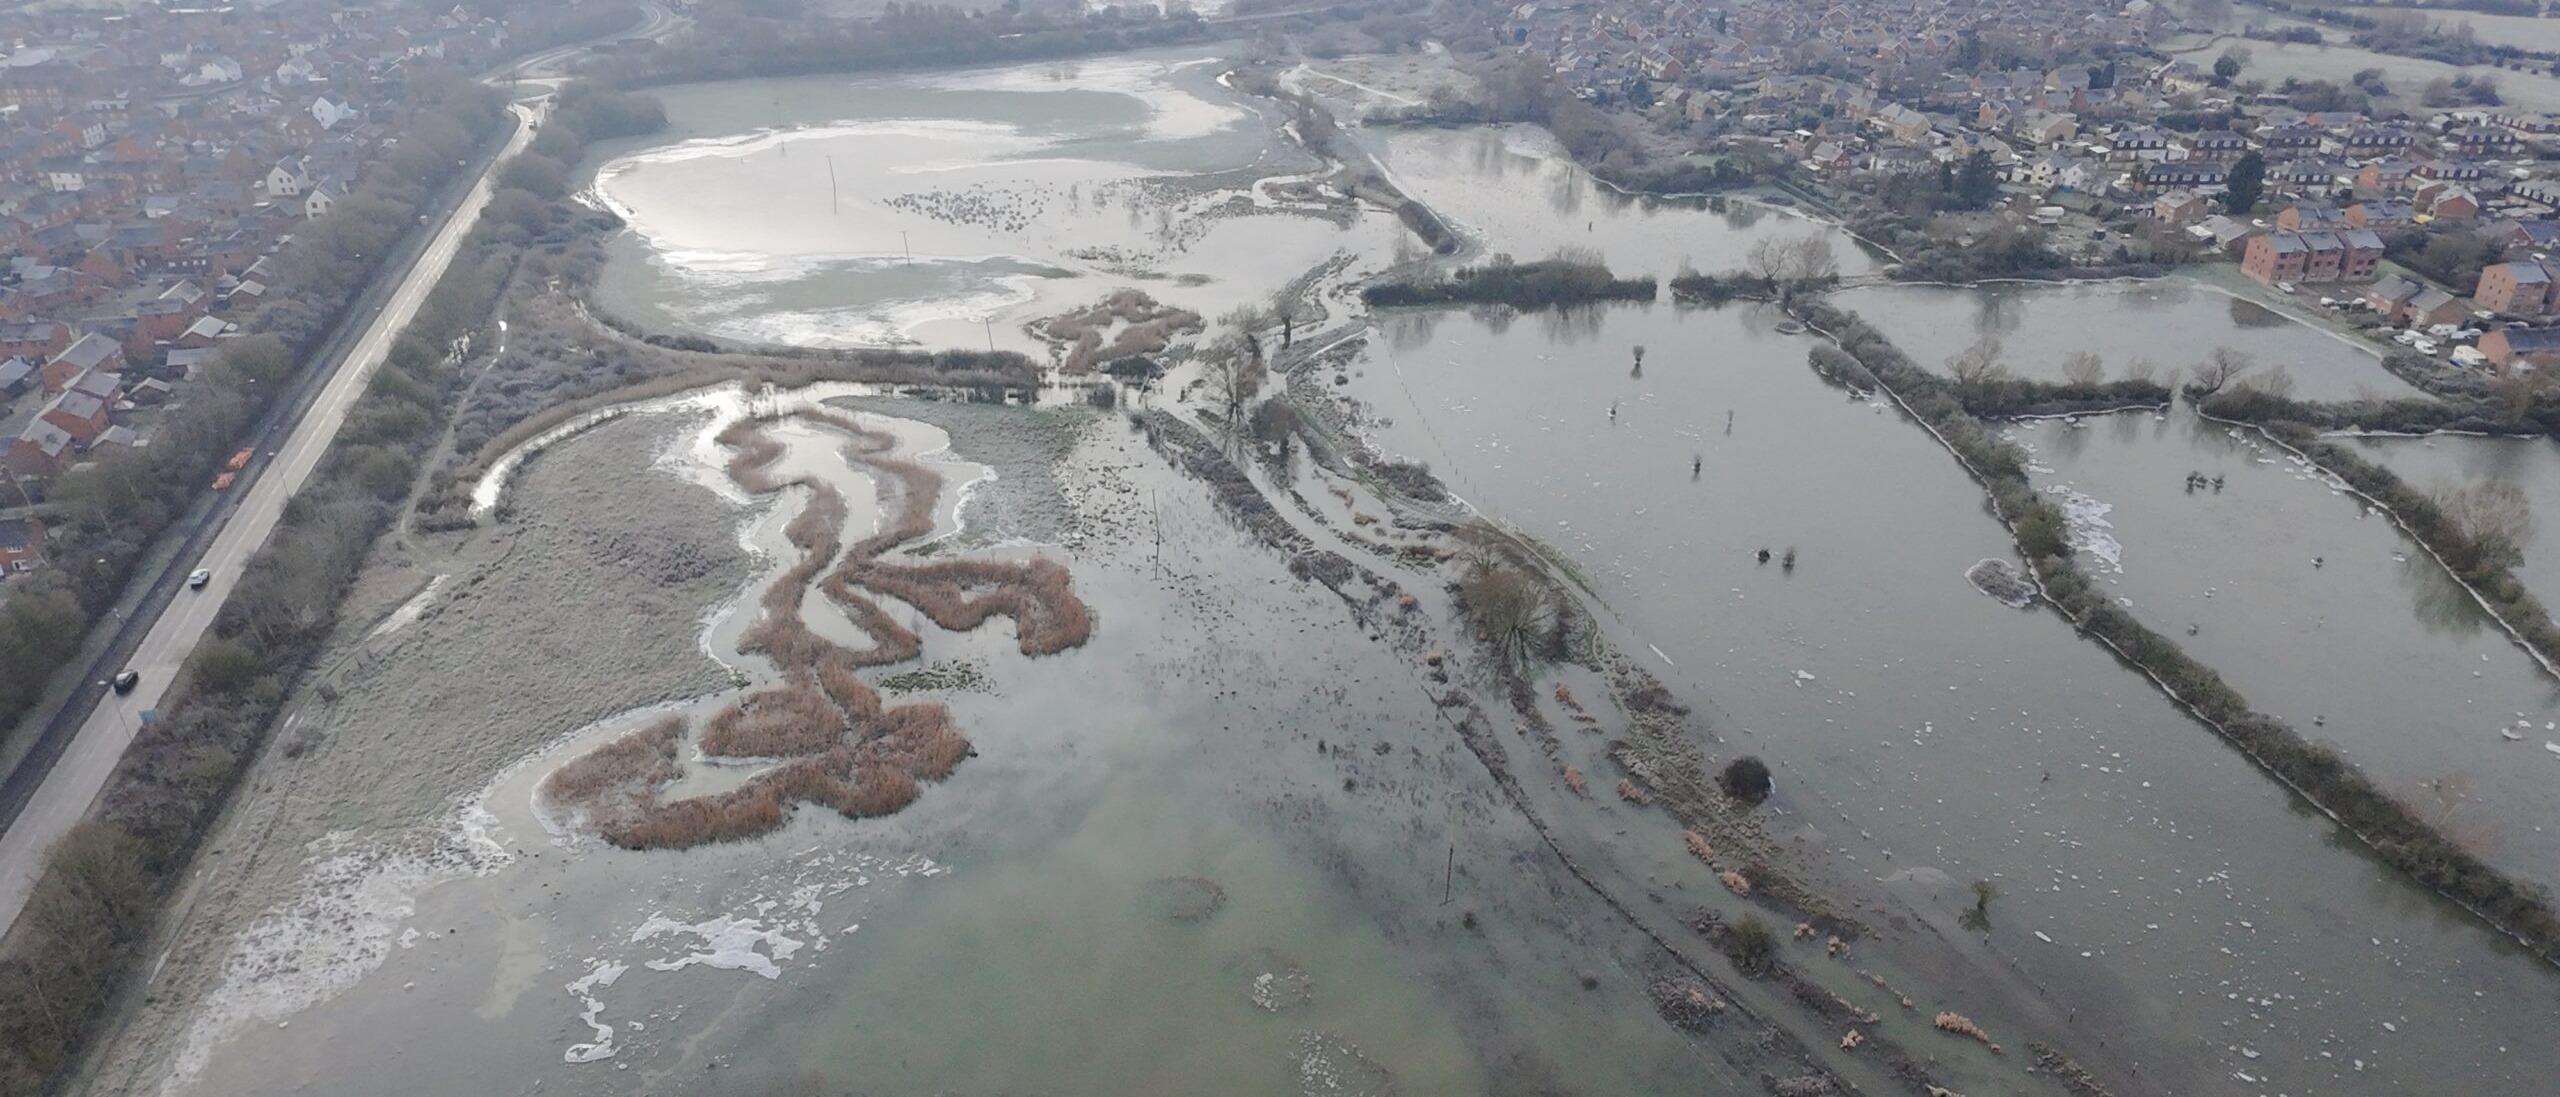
x: 73, y: 784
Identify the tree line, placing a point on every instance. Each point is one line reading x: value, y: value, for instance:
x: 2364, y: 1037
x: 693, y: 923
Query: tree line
x: 103, y: 515
x: 101, y: 888
x: 1563, y: 280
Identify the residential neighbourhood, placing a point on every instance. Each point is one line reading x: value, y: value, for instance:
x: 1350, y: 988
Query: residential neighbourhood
x: 2124, y: 153
x: 152, y: 165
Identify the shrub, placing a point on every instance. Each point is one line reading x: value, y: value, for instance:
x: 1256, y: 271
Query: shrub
x: 1746, y: 779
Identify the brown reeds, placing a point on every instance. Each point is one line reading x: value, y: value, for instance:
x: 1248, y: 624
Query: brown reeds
x: 788, y: 721
x: 840, y: 748
x: 1143, y: 327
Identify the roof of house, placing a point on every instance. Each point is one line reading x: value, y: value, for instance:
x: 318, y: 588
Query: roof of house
x: 18, y: 534
x: 2531, y: 340
x: 2526, y: 274
x: 2392, y: 288
x: 89, y: 350
x: 97, y: 383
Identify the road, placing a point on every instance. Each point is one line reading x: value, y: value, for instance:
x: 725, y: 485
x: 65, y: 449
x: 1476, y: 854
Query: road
x: 73, y: 784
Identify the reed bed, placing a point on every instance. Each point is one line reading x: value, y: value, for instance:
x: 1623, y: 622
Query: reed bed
x: 1147, y: 327
x: 785, y: 722
x: 841, y: 748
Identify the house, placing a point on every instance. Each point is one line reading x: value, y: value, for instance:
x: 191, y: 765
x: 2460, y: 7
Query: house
x: 91, y: 352
x: 38, y: 340
x: 2302, y: 216
x: 2536, y: 235
x: 2448, y: 203
x: 2388, y: 175
x: 17, y: 375
x: 21, y: 544
x: 39, y: 452
x: 2434, y: 306
x: 2276, y: 257
x: 2218, y: 145
x: 2521, y: 288
x: 324, y: 194
x: 2315, y: 256
x: 2532, y: 346
x: 2381, y: 213
x: 2177, y: 207
x: 289, y: 178
x: 2390, y: 297
x: 2363, y: 255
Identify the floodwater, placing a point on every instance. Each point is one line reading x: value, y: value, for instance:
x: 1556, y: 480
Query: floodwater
x: 1513, y: 190
x: 2173, y: 323
x: 948, y: 209
x: 1150, y: 878
x: 2323, y: 613
x: 2165, y: 896
x: 1209, y: 845
x: 2451, y: 461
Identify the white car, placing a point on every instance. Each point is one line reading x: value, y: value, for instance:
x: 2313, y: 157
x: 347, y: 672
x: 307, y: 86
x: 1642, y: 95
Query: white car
x: 198, y: 578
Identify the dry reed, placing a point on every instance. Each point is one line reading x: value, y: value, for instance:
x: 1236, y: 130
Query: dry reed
x: 842, y: 749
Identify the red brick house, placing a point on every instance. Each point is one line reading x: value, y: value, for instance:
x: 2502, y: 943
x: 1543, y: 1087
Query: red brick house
x: 2521, y: 288
x: 21, y: 544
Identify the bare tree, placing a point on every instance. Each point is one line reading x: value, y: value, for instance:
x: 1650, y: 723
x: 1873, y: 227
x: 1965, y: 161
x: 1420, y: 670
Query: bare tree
x: 1978, y: 364
x: 2084, y: 367
x: 2492, y: 517
x: 1286, y: 308
x: 2222, y: 367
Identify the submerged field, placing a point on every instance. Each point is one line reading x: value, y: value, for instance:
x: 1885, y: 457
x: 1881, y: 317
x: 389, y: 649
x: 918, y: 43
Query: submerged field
x: 1276, y: 818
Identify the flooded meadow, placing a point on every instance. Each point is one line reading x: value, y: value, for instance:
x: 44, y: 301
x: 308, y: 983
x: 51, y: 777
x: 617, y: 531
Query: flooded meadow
x: 1267, y: 827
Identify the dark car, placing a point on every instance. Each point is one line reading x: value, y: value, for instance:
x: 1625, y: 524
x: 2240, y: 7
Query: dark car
x: 124, y: 681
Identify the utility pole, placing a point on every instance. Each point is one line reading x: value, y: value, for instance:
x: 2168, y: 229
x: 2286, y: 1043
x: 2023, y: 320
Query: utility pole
x: 831, y: 186
x: 909, y: 247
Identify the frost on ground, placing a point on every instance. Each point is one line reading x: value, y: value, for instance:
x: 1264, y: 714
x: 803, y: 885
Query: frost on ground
x: 2085, y: 523
x: 759, y: 935
x: 339, y: 928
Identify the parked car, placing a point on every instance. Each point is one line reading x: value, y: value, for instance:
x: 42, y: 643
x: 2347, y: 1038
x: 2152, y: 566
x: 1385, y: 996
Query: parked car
x: 125, y: 680
x: 198, y: 578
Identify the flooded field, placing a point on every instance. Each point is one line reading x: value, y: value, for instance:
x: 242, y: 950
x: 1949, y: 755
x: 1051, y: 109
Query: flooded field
x: 2161, y: 887
x: 1249, y: 835
x: 948, y: 209
x: 2532, y: 465
x: 2171, y: 323
x: 2322, y: 613
x: 1512, y: 190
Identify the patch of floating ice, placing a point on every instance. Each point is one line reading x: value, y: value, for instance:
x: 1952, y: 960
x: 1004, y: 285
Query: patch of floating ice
x: 761, y: 934
x: 336, y: 929
x: 584, y: 991
x: 2085, y: 525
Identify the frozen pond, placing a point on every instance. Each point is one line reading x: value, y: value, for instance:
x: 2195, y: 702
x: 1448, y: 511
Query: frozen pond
x: 2173, y: 323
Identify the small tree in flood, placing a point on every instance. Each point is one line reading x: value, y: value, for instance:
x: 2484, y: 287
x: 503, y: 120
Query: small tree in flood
x: 1747, y: 779
x: 1508, y: 610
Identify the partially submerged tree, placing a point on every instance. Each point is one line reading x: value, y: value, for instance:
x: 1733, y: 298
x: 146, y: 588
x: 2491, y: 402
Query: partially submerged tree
x: 1746, y: 779
x: 2084, y: 367
x: 2492, y: 519
x: 1509, y: 610
x: 2221, y: 368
